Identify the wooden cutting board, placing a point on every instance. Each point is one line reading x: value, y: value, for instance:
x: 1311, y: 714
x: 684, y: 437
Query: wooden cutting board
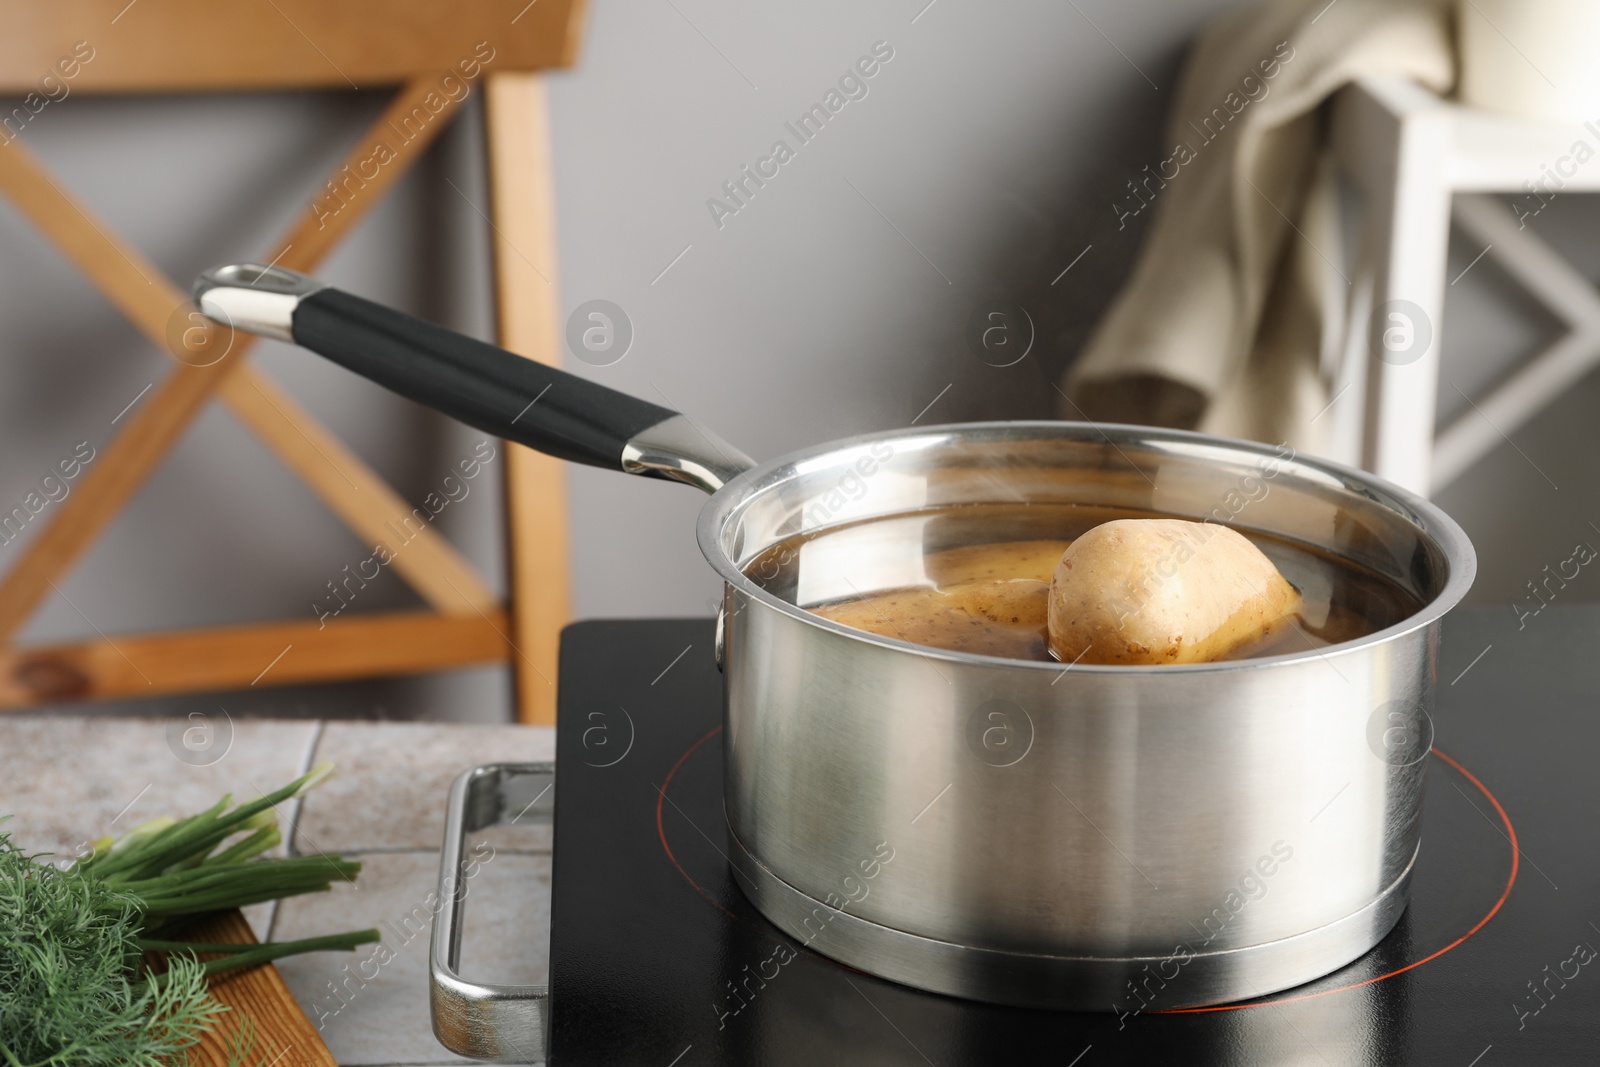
x: 285, y: 1037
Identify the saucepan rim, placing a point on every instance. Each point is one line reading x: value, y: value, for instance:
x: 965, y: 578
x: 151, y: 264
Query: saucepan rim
x: 734, y: 498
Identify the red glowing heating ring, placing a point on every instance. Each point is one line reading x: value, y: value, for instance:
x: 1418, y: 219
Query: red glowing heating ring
x: 661, y: 829
x: 1511, y: 880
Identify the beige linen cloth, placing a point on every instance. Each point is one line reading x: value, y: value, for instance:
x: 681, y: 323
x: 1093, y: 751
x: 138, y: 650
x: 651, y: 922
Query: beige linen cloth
x: 1221, y: 325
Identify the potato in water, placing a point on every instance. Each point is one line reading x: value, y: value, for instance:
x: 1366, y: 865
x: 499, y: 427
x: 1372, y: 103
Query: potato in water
x: 1152, y: 591
x: 987, y: 599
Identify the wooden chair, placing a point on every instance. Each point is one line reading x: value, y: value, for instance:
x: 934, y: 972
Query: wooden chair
x: 431, y: 51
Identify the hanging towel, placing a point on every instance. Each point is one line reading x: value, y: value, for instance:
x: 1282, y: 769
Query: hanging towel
x: 1220, y: 327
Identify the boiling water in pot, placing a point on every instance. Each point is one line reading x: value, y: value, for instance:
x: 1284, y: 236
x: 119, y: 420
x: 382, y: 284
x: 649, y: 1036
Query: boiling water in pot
x: 976, y: 579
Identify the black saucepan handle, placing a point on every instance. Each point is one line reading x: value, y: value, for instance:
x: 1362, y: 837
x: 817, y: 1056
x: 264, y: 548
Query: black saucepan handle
x: 484, y: 386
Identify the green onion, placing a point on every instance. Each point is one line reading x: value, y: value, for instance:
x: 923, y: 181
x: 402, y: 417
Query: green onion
x: 72, y: 986
x: 252, y: 955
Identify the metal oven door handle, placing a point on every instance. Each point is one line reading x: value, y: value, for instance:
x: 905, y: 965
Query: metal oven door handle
x: 498, y: 1023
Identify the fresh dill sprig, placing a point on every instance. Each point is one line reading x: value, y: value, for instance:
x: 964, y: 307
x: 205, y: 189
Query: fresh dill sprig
x: 73, y: 991
x: 243, y: 1042
x: 70, y: 994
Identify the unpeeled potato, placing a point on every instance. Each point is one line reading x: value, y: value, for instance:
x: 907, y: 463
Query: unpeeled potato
x: 1152, y: 591
x: 987, y: 599
x: 991, y: 617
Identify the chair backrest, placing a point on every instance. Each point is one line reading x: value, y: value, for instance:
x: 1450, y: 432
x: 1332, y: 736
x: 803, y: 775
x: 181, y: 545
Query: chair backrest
x: 435, y: 51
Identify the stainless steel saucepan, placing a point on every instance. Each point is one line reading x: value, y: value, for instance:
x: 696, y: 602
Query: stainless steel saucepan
x: 1084, y: 837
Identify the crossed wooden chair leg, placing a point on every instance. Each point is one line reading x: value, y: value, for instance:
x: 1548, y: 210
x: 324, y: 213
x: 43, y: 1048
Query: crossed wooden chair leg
x: 466, y: 624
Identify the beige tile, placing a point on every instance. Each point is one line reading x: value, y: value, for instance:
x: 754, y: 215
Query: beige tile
x: 372, y: 1005
x: 392, y: 780
x: 259, y: 916
x: 70, y: 779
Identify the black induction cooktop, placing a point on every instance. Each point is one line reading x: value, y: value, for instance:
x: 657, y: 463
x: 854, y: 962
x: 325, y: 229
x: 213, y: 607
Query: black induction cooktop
x: 656, y: 958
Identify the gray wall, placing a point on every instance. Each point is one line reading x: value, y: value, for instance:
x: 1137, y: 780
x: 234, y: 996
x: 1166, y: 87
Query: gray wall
x: 994, y: 142
x: 983, y: 159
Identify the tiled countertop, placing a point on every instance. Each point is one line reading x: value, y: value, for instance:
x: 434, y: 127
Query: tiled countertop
x: 69, y: 779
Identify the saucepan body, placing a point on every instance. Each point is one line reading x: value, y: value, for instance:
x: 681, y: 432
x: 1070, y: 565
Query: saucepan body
x: 1089, y: 837
x: 1035, y: 833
